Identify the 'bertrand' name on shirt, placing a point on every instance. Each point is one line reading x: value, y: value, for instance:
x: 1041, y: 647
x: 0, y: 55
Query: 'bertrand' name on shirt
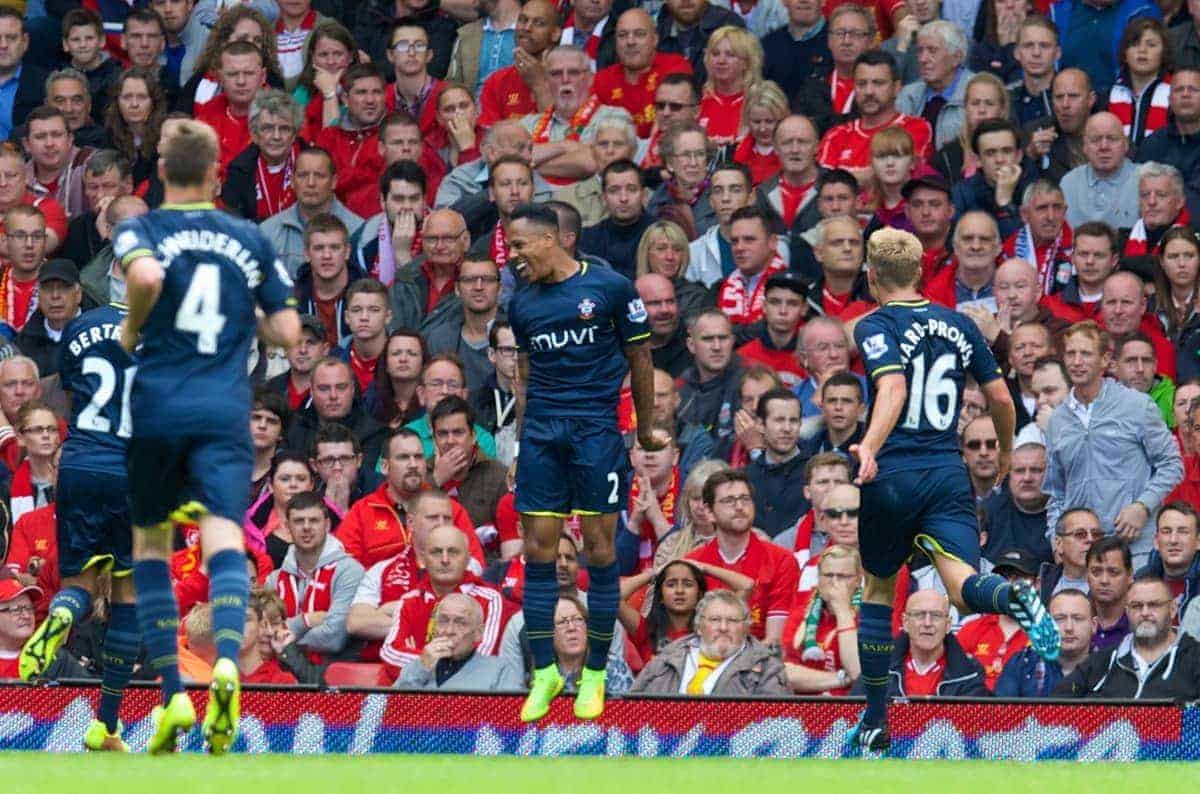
x: 94, y: 336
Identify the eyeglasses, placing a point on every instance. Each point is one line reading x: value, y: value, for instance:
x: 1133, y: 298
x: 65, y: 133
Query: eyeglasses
x: 700, y: 155
x: 674, y: 107
x: 334, y: 461
x: 718, y: 621
x: 417, y: 47
x: 443, y: 239
x: 1142, y: 606
x: 975, y: 443
x: 730, y: 501
x: 926, y: 615
x: 450, y: 385
x: 479, y: 281
x: 22, y: 610
x: 28, y: 237
x: 1082, y: 534
x: 848, y: 34
x: 834, y: 513
x: 566, y: 623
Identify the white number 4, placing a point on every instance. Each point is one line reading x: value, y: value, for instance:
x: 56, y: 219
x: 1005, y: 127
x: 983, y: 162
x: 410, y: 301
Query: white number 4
x: 200, y: 311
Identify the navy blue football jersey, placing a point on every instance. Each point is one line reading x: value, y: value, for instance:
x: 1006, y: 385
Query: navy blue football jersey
x: 192, y: 375
x: 97, y: 372
x: 934, y: 348
x: 574, y: 332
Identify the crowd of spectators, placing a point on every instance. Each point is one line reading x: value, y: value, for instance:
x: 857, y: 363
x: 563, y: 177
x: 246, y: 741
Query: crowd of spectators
x: 731, y: 158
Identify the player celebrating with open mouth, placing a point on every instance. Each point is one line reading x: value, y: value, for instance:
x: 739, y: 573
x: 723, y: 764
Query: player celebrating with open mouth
x: 578, y: 328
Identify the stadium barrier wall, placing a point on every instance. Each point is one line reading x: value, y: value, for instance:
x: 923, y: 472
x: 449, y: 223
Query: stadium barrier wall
x: 308, y: 721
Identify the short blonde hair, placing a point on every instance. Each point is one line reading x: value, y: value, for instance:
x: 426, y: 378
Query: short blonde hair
x: 839, y: 551
x: 894, y: 141
x: 675, y: 236
x: 769, y: 95
x: 745, y: 45
x: 895, y: 257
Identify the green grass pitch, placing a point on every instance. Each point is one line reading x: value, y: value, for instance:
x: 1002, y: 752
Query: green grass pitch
x: 449, y: 774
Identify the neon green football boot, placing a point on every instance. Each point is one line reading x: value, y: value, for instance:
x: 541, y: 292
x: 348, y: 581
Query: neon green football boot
x: 546, y: 684
x: 224, y: 707
x: 41, y: 646
x: 170, y: 723
x: 589, y: 700
x: 98, y: 739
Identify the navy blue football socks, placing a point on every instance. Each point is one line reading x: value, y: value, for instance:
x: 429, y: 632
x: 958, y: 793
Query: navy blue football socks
x: 158, y: 615
x: 540, y: 599
x: 122, y: 642
x: 604, y: 599
x: 75, y: 600
x: 875, y: 655
x: 229, y: 592
x: 986, y: 592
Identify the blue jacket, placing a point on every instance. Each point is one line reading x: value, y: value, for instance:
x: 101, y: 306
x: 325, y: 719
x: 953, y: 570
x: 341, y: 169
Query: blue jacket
x: 1027, y: 675
x: 1061, y: 12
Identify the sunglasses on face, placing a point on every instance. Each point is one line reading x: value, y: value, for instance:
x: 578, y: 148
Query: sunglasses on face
x: 834, y: 513
x: 975, y: 444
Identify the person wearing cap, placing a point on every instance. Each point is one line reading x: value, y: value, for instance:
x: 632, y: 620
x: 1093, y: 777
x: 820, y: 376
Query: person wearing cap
x: 773, y: 338
x: 59, y: 299
x: 756, y: 259
x: 928, y: 207
x: 17, y: 622
x: 302, y: 358
x: 1028, y: 675
x: 994, y: 639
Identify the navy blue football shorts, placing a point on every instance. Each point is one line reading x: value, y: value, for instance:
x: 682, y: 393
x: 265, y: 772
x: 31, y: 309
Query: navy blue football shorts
x: 93, y: 524
x: 571, y: 465
x: 930, y: 509
x: 166, y: 472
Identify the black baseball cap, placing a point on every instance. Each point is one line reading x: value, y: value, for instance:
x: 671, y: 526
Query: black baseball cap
x: 934, y: 181
x: 59, y: 270
x: 788, y: 280
x: 312, y: 324
x: 1017, y: 560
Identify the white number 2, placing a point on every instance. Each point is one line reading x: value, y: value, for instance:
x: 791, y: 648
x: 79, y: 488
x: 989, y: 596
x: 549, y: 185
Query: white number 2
x: 928, y: 393
x: 616, y: 487
x: 90, y: 417
x: 200, y: 311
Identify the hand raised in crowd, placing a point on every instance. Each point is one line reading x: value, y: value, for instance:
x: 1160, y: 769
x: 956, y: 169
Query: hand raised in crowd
x: 1043, y: 417
x: 680, y: 213
x: 103, y: 228
x: 906, y: 32
x: 450, y: 465
x: 404, y: 230
x: 1040, y: 142
x: 1131, y: 521
x: 436, y: 649
x: 281, y: 639
x: 837, y: 595
x: 989, y: 325
x: 337, y: 489
x: 1007, y: 178
x: 327, y: 82
x: 462, y: 129
x: 530, y: 67
x: 748, y: 429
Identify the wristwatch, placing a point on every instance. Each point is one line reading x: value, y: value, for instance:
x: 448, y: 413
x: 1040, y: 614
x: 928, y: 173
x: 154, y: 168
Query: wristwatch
x: 843, y: 679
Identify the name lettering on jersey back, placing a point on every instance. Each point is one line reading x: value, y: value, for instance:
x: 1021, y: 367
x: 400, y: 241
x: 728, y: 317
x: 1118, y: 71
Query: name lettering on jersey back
x: 192, y: 240
x: 94, y: 336
x: 556, y: 340
x: 933, y: 327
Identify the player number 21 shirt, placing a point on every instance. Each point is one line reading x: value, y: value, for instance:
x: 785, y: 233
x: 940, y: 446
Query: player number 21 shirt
x: 574, y: 332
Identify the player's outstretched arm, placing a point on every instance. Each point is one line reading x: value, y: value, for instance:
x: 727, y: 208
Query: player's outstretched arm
x: 281, y: 329
x: 891, y: 392
x: 1004, y: 417
x: 143, y: 285
x: 641, y: 380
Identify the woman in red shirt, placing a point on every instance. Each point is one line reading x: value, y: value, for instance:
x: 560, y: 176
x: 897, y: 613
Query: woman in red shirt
x: 765, y: 106
x: 820, y: 638
x: 330, y: 51
x: 734, y: 61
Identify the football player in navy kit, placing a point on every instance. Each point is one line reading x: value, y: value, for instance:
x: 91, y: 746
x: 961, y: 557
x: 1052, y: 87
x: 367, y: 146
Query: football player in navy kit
x: 196, y: 278
x: 915, y: 490
x: 579, y: 328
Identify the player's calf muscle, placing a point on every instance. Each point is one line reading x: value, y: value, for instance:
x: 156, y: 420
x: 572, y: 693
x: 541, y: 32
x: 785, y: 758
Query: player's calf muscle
x: 152, y: 543
x: 219, y: 534
x: 879, y: 591
x: 541, y: 537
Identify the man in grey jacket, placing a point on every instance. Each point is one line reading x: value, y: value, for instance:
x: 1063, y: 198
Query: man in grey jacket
x: 1108, y: 447
x: 449, y: 662
x: 719, y: 659
x: 938, y: 97
x: 317, y: 580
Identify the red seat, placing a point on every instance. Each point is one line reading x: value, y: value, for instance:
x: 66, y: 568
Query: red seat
x: 356, y: 674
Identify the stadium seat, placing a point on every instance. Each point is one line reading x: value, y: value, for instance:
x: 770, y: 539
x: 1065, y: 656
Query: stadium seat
x: 356, y: 674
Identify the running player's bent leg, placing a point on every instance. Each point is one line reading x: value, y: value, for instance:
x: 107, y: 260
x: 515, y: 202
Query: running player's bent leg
x: 229, y: 582
x: 122, y: 642
x: 604, y: 585
x: 875, y: 645
x: 541, y: 584
x: 157, y: 611
x: 972, y: 592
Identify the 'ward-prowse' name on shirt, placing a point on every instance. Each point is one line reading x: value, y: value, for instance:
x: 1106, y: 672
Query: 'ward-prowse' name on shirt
x: 933, y: 327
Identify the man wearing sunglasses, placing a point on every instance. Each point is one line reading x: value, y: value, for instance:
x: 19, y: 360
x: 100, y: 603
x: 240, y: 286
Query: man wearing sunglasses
x: 979, y: 451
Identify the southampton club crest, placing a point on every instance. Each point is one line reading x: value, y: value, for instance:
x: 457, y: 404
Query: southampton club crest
x: 587, y: 309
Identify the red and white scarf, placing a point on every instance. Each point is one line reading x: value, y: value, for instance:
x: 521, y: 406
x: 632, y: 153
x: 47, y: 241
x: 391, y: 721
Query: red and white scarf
x: 317, y: 597
x: 575, y: 128
x: 8, y: 301
x: 264, y: 188
x: 1053, y: 260
x: 1124, y: 105
x: 736, y: 300
x: 1136, y: 245
x: 570, y: 36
